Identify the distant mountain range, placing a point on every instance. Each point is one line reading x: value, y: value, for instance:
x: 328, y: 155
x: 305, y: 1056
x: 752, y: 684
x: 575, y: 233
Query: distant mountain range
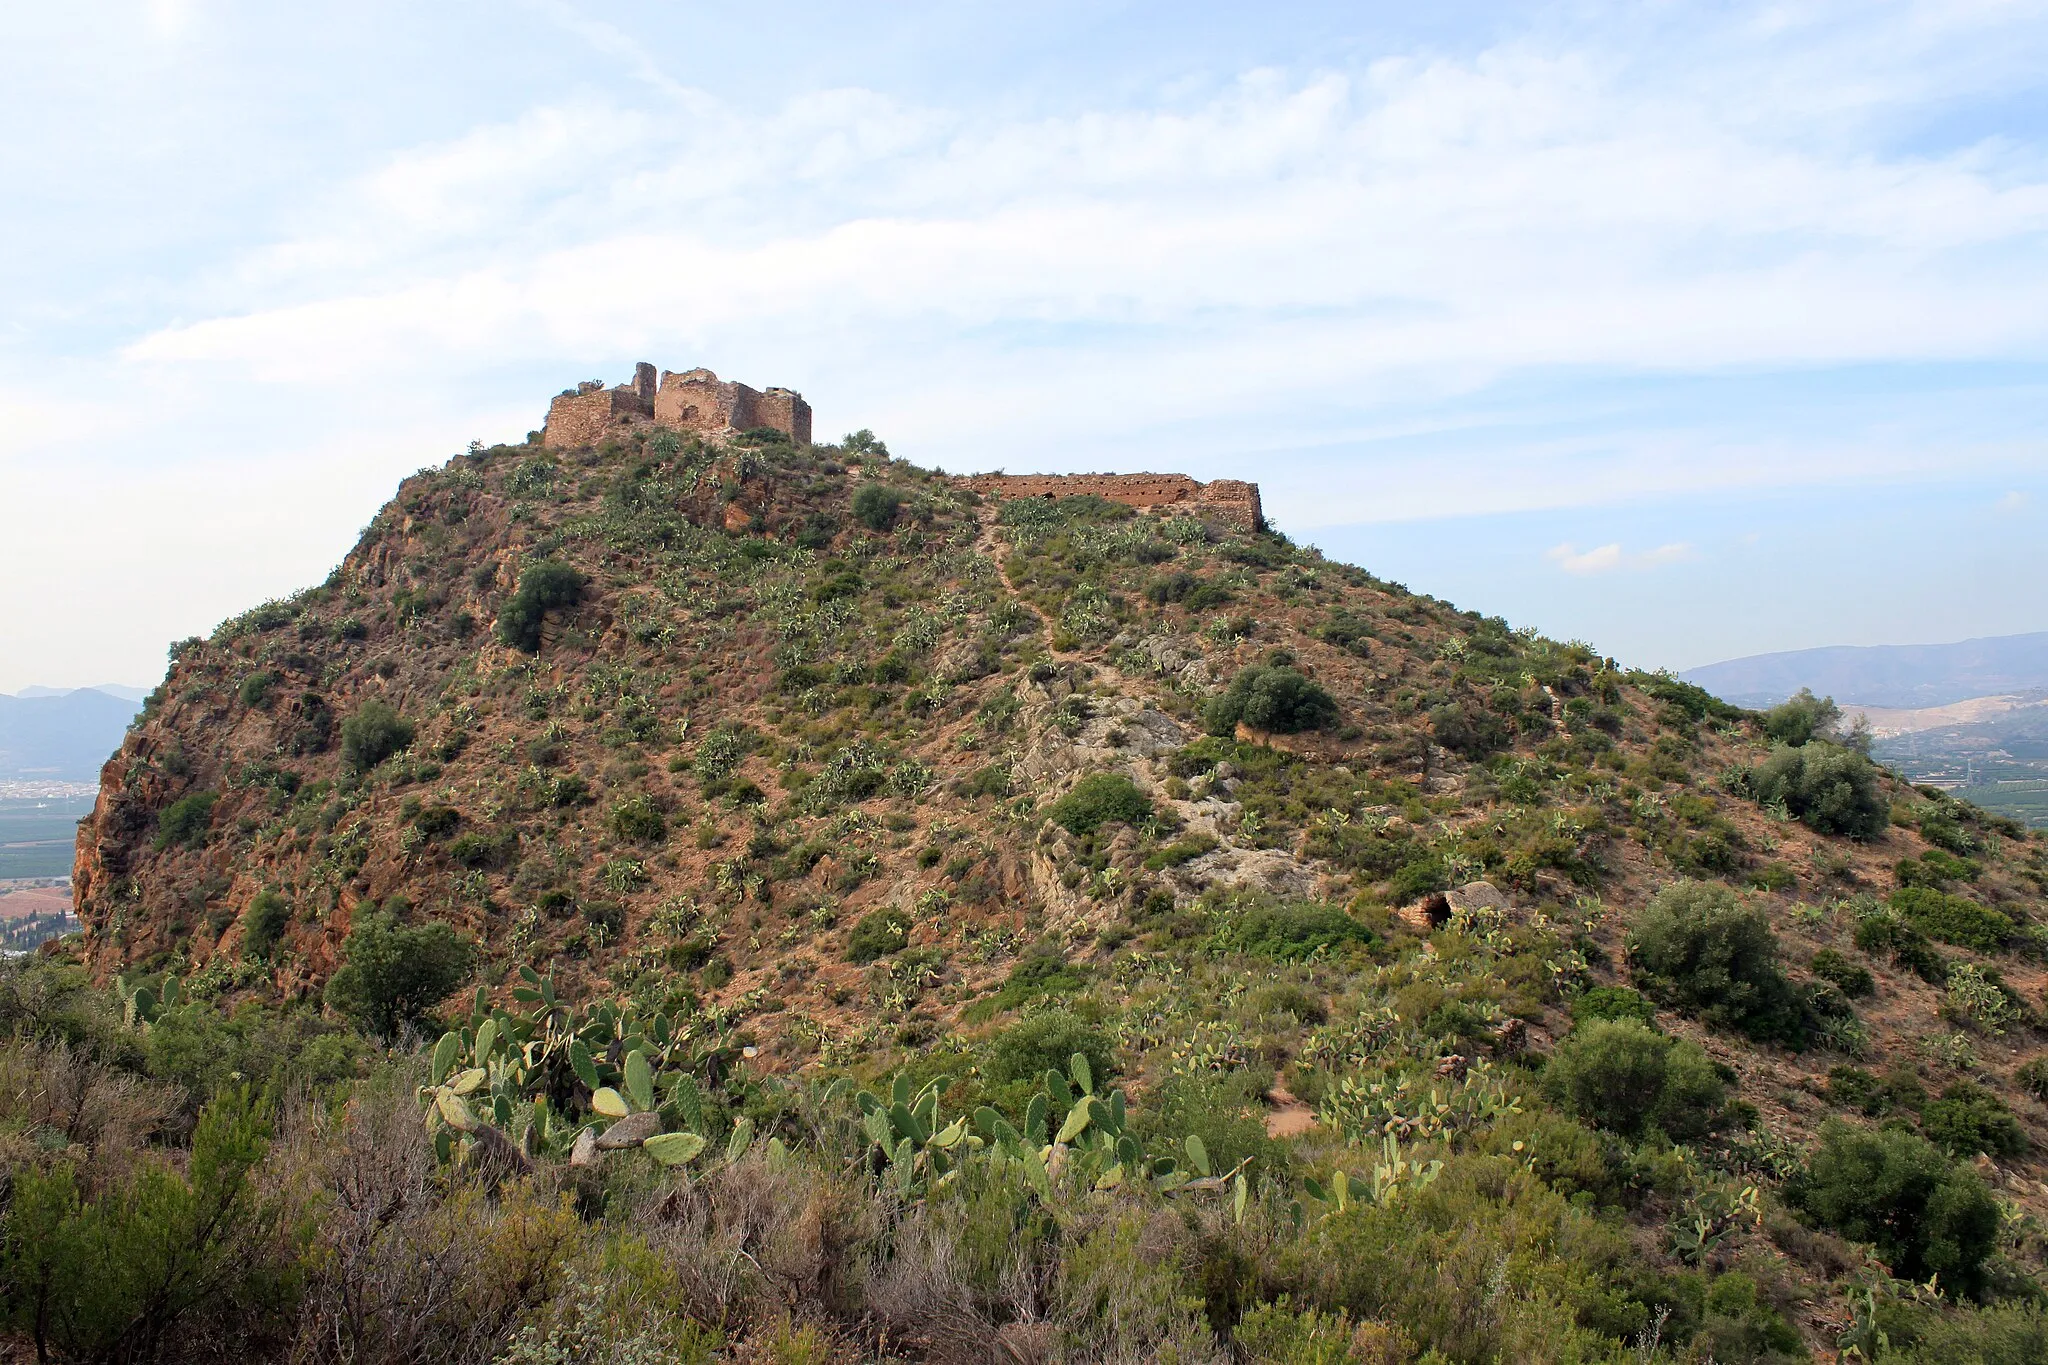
x: 63, y: 735
x: 1908, y: 677
x: 111, y: 689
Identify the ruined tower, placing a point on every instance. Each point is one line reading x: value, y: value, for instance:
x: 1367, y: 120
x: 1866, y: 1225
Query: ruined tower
x: 690, y: 400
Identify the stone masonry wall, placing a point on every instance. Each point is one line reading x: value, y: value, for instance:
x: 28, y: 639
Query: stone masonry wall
x: 689, y: 400
x: 1230, y: 500
x: 583, y: 417
x: 785, y: 410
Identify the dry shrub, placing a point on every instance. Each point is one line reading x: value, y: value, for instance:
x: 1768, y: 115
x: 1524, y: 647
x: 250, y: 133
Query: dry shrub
x: 753, y: 1237
x: 922, y: 1295
x: 54, y: 1090
x: 406, y: 1269
x: 1122, y: 1294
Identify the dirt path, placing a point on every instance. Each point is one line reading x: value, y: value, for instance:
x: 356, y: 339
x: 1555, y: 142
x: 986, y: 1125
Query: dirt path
x: 988, y: 543
x: 1289, y: 1116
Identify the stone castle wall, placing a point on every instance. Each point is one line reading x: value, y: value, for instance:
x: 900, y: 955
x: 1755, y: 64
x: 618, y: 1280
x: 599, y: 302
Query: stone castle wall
x: 1230, y: 500
x: 690, y: 400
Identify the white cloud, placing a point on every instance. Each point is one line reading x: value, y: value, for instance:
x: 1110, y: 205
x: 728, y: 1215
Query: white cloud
x: 1309, y: 273
x: 2014, y: 501
x: 1606, y: 558
x: 1416, y: 226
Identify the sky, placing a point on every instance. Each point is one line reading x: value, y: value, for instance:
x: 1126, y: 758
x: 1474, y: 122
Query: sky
x: 1692, y: 331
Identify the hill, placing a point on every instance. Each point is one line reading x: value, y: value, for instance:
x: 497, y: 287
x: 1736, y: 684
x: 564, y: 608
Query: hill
x: 1902, y: 676
x: 1035, y: 928
x: 61, y: 736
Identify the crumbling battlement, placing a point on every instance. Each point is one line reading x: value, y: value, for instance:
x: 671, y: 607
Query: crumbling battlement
x: 690, y: 400
x: 1230, y: 500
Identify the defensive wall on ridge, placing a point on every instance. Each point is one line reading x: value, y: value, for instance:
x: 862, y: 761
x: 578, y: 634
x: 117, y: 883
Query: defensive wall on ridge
x: 1231, y: 500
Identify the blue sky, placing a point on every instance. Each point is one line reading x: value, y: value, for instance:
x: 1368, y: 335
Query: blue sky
x: 1690, y: 330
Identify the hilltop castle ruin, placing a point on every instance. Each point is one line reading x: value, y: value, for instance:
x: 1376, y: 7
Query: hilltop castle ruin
x: 1230, y: 500
x: 692, y: 400
x: 699, y: 401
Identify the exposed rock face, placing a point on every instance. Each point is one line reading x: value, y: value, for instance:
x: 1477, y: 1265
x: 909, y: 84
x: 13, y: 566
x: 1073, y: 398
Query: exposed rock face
x: 1229, y: 500
x: 690, y: 400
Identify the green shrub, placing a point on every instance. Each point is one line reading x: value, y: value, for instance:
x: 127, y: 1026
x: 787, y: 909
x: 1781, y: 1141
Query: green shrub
x: 878, y: 934
x: 392, y: 974
x: 1969, y: 1119
x: 264, y: 923
x: 1287, y: 931
x: 1284, y: 997
x: 1099, y: 799
x: 1936, y: 868
x: 1698, y: 949
x: 1040, y: 972
x: 1735, y: 1325
x: 437, y: 822
x: 1830, y: 789
x: 1774, y: 876
x: 875, y: 506
x: 1691, y: 701
x: 480, y: 850
x: 1470, y: 731
x: 1227, y: 1112
x: 186, y: 820
x: 1625, y: 1077
x: 373, y: 734
x: 1854, y: 1088
x: 1275, y: 699
x: 1852, y: 979
x: 1953, y: 919
x: 1184, y: 850
x: 127, y: 1273
x: 1044, y: 1042
x: 256, y: 689
x: 2032, y: 1077
x: 608, y: 918
x: 1613, y: 1002
x: 1887, y: 931
x: 1804, y: 717
x: 1899, y: 1193
x: 638, y: 818
x: 547, y: 586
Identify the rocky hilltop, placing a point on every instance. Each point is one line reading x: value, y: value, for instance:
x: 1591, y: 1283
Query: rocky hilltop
x: 857, y: 758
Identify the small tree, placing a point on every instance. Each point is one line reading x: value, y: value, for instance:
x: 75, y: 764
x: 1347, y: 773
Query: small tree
x: 1831, y: 790
x: 1805, y: 717
x: 373, y: 734
x: 1628, y: 1078
x: 1898, y: 1192
x: 1697, y: 948
x: 393, y: 973
x: 875, y: 506
x: 263, y: 924
x: 547, y: 586
x: 1277, y: 700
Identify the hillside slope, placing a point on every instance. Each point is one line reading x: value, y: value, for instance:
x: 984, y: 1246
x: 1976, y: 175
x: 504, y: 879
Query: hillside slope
x: 863, y: 775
